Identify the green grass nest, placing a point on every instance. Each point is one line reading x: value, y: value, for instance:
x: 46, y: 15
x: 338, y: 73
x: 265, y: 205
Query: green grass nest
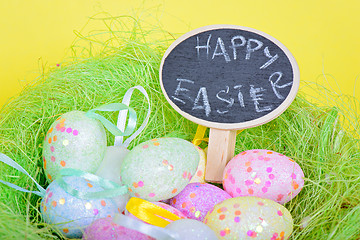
x: 114, y: 60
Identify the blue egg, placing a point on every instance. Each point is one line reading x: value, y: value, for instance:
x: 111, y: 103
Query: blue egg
x: 71, y: 215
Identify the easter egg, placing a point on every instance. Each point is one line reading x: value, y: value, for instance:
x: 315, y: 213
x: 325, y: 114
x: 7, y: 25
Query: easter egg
x: 190, y: 229
x: 263, y: 173
x: 200, y: 171
x: 69, y: 214
x: 73, y: 141
x: 197, y: 199
x: 159, y: 169
x: 106, y: 229
x: 250, y: 218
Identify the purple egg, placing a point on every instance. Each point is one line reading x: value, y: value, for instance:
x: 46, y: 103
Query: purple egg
x: 197, y: 199
x: 106, y: 229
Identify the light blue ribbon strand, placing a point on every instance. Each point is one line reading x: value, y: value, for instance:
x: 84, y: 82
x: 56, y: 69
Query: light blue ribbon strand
x: 123, y: 116
x: 111, y: 189
x: 114, y: 107
x: 153, y: 231
x: 5, y: 159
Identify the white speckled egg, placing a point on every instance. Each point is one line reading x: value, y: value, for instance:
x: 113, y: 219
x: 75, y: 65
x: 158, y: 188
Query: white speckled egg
x: 159, y: 169
x: 250, y: 218
x: 73, y: 141
x: 71, y: 215
x: 263, y: 173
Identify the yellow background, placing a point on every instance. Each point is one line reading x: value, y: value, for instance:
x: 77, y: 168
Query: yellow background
x: 324, y: 36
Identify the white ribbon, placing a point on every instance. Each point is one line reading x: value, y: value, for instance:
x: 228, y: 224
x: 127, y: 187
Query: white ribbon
x: 123, y: 116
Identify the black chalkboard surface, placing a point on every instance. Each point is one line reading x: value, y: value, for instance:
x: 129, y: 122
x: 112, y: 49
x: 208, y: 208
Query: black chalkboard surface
x: 229, y: 77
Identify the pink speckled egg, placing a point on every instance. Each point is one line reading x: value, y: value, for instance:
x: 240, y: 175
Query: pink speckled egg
x: 263, y: 173
x: 197, y: 199
x: 106, y: 229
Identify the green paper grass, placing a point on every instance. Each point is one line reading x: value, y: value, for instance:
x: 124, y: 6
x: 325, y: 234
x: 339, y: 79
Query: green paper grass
x: 122, y: 57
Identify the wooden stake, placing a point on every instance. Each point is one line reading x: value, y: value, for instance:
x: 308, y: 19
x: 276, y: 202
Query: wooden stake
x: 221, y: 149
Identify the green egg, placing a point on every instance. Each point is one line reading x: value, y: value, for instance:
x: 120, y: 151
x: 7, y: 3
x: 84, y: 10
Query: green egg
x: 73, y: 141
x: 160, y: 168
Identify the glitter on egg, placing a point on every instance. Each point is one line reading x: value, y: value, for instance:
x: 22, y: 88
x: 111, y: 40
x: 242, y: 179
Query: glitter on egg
x: 66, y: 142
x: 257, y: 181
x: 88, y: 205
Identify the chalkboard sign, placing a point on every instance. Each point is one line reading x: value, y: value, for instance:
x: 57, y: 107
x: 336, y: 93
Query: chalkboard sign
x: 229, y: 77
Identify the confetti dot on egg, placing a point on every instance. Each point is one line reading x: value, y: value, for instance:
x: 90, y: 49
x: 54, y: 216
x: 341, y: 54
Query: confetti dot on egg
x: 63, y: 163
x: 197, y: 214
x: 52, y: 148
x: 259, y: 229
x: 75, y: 132
x: 62, y: 201
x: 103, y: 203
x: 89, y: 185
x: 249, y: 169
x: 192, y: 195
x: 271, y: 176
x: 49, y: 176
x: 55, y: 138
x: 257, y: 181
x: 237, y: 212
x: 151, y: 194
x: 156, y: 143
x: 250, y: 191
x: 174, y: 191
x: 247, y: 164
x: 145, y: 146
x: 96, y: 211
x: 88, y: 205
x: 293, y: 176
x: 63, y: 129
x: 280, y: 213
x: 54, y: 203
x: 52, y: 158
x: 65, y: 230
x: 49, y: 140
x: 50, y: 130
x: 237, y: 219
x: 249, y: 182
x: 69, y: 130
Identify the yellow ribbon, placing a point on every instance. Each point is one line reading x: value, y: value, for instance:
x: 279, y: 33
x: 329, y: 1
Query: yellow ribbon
x: 149, y: 212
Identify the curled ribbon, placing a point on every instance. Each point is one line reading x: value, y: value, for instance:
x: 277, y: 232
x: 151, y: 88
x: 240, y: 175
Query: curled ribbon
x: 111, y: 189
x: 113, y: 107
x: 149, y: 212
x: 5, y: 159
x: 123, y: 116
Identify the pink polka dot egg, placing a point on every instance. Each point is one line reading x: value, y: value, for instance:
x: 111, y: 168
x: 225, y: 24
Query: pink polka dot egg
x: 263, y: 173
x: 69, y: 214
x: 250, y: 218
x: 197, y: 199
x: 159, y: 169
x: 73, y: 141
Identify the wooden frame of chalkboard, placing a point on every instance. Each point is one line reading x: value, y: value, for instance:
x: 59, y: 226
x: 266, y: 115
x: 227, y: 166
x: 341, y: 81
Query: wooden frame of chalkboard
x: 220, y: 51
